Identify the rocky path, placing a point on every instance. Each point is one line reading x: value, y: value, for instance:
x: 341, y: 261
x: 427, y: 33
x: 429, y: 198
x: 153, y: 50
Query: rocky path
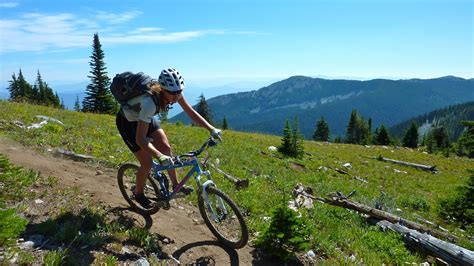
x: 188, y: 239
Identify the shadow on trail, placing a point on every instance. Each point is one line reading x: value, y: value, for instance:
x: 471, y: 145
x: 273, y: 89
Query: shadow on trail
x: 233, y: 256
x: 148, y: 221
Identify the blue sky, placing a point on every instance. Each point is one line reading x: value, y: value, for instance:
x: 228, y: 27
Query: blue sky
x: 219, y: 42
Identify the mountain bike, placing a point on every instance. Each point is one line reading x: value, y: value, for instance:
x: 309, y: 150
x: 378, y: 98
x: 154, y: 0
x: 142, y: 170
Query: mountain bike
x: 219, y: 211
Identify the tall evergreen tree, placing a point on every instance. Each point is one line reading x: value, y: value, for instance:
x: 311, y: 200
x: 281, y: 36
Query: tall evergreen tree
x: 25, y: 89
x: 351, y: 132
x: 98, y: 97
x: 77, y: 105
x: 382, y: 137
x: 225, y: 125
x: 297, y: 140
x: 357, y: 129
x: 322, y: 130
x: 410, y: 139
x: 203, y: 109
x: 14, y: 88
x: 286, y: 140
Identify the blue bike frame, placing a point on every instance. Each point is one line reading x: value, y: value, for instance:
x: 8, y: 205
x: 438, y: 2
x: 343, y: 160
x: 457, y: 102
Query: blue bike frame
x: 195, y: 170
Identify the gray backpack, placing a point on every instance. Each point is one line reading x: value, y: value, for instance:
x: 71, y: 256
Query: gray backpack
x: 127, y: 85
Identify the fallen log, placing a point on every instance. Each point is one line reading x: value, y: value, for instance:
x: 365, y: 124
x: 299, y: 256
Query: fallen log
x: 381, y: 215
x: 429, y: 245
x: 74, y: 156
x: 239, y: 183
x: 428, y: 168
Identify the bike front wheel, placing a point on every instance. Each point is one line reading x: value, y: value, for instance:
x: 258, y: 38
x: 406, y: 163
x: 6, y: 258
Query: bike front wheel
x: 127, y: 179
x: 223, y: 218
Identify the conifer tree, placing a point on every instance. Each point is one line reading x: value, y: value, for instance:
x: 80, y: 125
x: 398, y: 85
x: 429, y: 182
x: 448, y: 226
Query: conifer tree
x: 286, y: 140
x: 357, y: 129
x: 224, y: 123
x: 98, y: 97
x: 77, y: 105
x: 203, y: 109
x: 351, y: 132
x: 410, y: 139
x: 14, y: 88
x: 297, y: 141
x: 382, y: 137
x: 322, y: 130
x: 25, y: 89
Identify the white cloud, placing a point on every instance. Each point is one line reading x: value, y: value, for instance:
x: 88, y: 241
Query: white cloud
x: 114, y: 18
x: 47, y: 32
x: 8, y: 5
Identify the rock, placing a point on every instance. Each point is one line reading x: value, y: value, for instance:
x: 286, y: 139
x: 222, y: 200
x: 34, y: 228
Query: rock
x: 272, y: 148
x: 323, y: 168
x: 27, y: 245
x: 126, y: 250
x: 142, y: 262
x: 39, y: 201
x: 310, y: 254
x: 352, y: 258
x: 347, y: 165
x: 166, y: 241
x: 99, y: 172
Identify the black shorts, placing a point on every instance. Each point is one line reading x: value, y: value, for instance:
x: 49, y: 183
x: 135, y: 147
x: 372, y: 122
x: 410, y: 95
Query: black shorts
x: 128, y: 130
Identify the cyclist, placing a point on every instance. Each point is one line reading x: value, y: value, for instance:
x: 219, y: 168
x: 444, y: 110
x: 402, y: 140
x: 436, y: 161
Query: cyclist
x: 141, y: 130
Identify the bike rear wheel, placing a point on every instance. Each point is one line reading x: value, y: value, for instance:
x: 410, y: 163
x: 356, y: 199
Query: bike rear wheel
x: 127, y: 178
x: 230, y: 227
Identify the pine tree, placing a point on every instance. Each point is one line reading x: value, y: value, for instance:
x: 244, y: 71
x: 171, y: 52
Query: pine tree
x: 285, y: 147
x: 77, y: 105
x: 224, y: 123
x: 14, y: 88
x: 203, y: 109
x: 297, y: 141
x: 40, y: 90
x: 98, y: 97
x: 357, y: 129
x: 382, y: 137
x: 25, y: 89
x: 351, y: 132
x: 410, y: 139
x: 322, y: 130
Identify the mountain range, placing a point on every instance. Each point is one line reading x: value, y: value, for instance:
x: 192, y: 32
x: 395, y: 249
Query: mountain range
x: 386, y: 102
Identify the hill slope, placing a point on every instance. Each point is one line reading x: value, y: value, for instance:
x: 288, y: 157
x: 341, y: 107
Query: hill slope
x: 449, y: 117
x: 407, y: 192
x: 387, y: 102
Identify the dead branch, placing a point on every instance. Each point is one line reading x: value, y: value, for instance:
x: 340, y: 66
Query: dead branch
x: 429, y: 245
x: 381, y: 215
x: 428, y: 168
x: 74, y: 156
x: 239, y: 183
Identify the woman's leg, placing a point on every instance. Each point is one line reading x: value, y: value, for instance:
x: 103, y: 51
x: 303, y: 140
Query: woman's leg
x: 145, y: 160
x: 160, y: 141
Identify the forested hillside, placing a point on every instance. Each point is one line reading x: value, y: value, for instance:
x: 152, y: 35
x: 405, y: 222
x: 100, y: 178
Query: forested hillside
x: 449, y: 118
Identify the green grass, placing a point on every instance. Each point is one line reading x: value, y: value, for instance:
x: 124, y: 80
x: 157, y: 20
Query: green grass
x: 340, y: 233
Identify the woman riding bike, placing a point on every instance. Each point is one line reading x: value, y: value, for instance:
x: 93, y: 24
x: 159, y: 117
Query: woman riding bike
x: 141, y: 131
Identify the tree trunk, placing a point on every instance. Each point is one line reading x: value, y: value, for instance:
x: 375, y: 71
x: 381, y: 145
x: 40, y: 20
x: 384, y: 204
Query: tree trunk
x: 430, y: 245
x: 418, y: 166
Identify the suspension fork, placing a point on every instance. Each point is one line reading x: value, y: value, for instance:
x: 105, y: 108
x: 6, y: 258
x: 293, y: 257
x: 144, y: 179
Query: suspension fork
x: 205, y: 196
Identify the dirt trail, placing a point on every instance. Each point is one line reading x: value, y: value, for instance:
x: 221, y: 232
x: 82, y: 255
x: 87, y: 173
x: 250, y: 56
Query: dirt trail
x: 190, y: 239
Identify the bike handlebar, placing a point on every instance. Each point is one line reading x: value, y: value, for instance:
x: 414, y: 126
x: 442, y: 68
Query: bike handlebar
x: 208, y: 143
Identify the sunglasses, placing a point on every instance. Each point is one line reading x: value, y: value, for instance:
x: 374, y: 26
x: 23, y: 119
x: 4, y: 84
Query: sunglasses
x: 174, y: 92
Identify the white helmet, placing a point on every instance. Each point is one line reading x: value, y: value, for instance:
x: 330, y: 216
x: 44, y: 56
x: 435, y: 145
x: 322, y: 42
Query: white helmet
x: 171, y: 80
